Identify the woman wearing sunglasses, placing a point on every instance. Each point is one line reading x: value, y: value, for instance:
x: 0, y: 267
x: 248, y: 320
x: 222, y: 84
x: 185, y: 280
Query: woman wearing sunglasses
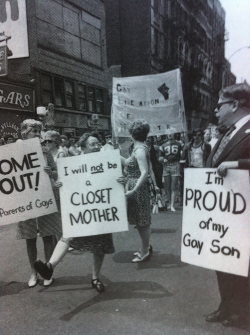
x: 45, y: 226
x: 196, y: 152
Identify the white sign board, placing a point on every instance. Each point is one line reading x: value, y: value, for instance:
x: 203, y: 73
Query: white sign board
x: 13, y: 23
x: 25, y: 188
x: 92, y: 201
x: 156, y: 98
x: 216, y: 229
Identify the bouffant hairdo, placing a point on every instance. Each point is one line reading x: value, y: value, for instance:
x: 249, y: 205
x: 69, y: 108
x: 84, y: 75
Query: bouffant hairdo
x: 84, y: 138
x: 27, y: 125
x: 54, y: 135
x: 139, y: 130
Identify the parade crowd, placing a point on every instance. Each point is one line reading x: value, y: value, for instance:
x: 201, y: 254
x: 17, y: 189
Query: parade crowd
x: 153, y: 175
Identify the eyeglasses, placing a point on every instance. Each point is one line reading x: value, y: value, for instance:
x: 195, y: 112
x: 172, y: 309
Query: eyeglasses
x: 218, y: 106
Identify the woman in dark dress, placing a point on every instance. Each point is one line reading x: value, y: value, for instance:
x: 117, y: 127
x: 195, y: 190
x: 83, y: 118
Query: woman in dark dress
x: 99, y: 245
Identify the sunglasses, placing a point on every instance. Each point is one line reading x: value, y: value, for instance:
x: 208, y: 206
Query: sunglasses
x: 218, y: 106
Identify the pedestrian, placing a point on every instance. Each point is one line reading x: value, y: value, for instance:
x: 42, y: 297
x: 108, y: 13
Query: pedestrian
x: 232, y: 151
x: 137, y: 188
x: 64, y: 145
x: 73, y: 150
x: 99, y: 245
x: 109, y: 145
x: 170, y: 154
x: 45, y: 226
x: 215, y: 135
x: 9, y: 139
x: 196, y: 152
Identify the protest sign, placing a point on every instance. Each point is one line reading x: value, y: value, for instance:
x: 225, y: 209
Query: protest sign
x: 25, y: 188
x: 156, y: 98
x: 92, y: 201
x: 216, y: 230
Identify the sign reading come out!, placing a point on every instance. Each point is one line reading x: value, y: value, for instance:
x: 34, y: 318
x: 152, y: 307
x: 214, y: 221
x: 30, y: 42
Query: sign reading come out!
x: 216, y: 228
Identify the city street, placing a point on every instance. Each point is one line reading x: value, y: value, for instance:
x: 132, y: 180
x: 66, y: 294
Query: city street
x: 157, y: 297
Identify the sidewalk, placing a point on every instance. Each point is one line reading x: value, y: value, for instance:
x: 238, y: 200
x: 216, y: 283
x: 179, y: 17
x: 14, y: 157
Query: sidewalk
x: 158, y: 297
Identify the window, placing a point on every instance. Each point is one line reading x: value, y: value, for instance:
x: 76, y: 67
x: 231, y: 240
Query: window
x: 58, y: 84
x: 91, y: 99
x: 69, y: 94
x: 82, y: 97
x: 47, y: 89
x: 99, y: 101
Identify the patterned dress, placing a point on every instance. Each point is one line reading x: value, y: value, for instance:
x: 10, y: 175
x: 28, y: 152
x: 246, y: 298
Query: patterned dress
x: 139, y: 211
x: 46, y: 225
x: 97, y: 244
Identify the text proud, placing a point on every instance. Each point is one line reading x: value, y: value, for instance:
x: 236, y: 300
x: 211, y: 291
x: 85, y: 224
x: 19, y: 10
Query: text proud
x: 92, y: 201
x: 215, y: 231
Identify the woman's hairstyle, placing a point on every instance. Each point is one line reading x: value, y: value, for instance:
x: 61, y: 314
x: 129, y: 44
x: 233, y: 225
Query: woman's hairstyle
x: 54, y: 135
x: 139, y: 130
x: 239, y: 92
x: 29, y: 124
x: 84, y: 138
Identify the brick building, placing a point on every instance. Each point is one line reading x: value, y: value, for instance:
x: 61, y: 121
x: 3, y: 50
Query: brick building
x: 154, y: 36
x: 65, y: 64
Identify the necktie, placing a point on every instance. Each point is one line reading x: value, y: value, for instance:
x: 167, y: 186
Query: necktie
x: 223, y: 143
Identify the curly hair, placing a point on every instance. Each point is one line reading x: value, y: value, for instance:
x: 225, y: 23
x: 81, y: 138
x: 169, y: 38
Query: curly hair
x: 84, y: 138
x: 54, y: 135
x: 27, y: 125
x: 139, y: 130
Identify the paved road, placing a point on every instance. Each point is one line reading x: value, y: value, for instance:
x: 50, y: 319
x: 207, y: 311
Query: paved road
x: 158, y: 297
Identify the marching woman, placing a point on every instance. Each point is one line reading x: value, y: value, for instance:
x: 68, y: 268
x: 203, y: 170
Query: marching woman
x: 45, y: 226
x: 99, y: 245
x: 137, y: 187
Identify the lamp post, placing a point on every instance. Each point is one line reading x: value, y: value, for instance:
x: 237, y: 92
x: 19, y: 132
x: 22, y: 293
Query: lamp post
x: 247, y: 47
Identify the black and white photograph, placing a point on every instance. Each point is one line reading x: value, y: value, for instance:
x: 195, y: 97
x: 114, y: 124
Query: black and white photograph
x: 150, y: 233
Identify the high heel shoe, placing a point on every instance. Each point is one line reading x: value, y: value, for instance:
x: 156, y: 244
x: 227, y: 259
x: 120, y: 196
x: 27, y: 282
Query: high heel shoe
x: 150, y: 249
x: 141, y: 259
x: 97, y: 285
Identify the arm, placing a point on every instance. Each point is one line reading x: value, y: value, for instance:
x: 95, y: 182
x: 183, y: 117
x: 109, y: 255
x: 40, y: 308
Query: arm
x: 143, y: 166
x: 51, y: 168
x: 223, y: 167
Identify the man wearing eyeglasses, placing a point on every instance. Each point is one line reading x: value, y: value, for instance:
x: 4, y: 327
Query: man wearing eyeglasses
x: 232, y: 151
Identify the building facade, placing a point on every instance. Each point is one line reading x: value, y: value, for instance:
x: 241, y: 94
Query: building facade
x: 155, y: 36
x: 65, y: 64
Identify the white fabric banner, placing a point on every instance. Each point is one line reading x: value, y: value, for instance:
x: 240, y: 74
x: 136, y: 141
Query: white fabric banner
x: 216, y: 229
x: 25, y: 188
x: 156, y: 98
x: 92, y: 201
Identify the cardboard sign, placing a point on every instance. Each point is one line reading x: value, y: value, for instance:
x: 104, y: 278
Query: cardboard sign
x: 216, y: 229
x: 92, y: 201
x: 25, y: 188
x: 156, y: 98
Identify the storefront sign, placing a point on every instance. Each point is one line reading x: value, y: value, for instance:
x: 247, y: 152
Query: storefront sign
x: 3, y: 61
x: 156, y: 98
x: 16, y: 97
x: 216, y: 211
x: 13, y: 23
x: 9, y: 128
x: 92, y: 201
x: 25, y: 188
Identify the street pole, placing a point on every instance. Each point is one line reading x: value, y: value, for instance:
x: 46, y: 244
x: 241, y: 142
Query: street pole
x: 247, y: 47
